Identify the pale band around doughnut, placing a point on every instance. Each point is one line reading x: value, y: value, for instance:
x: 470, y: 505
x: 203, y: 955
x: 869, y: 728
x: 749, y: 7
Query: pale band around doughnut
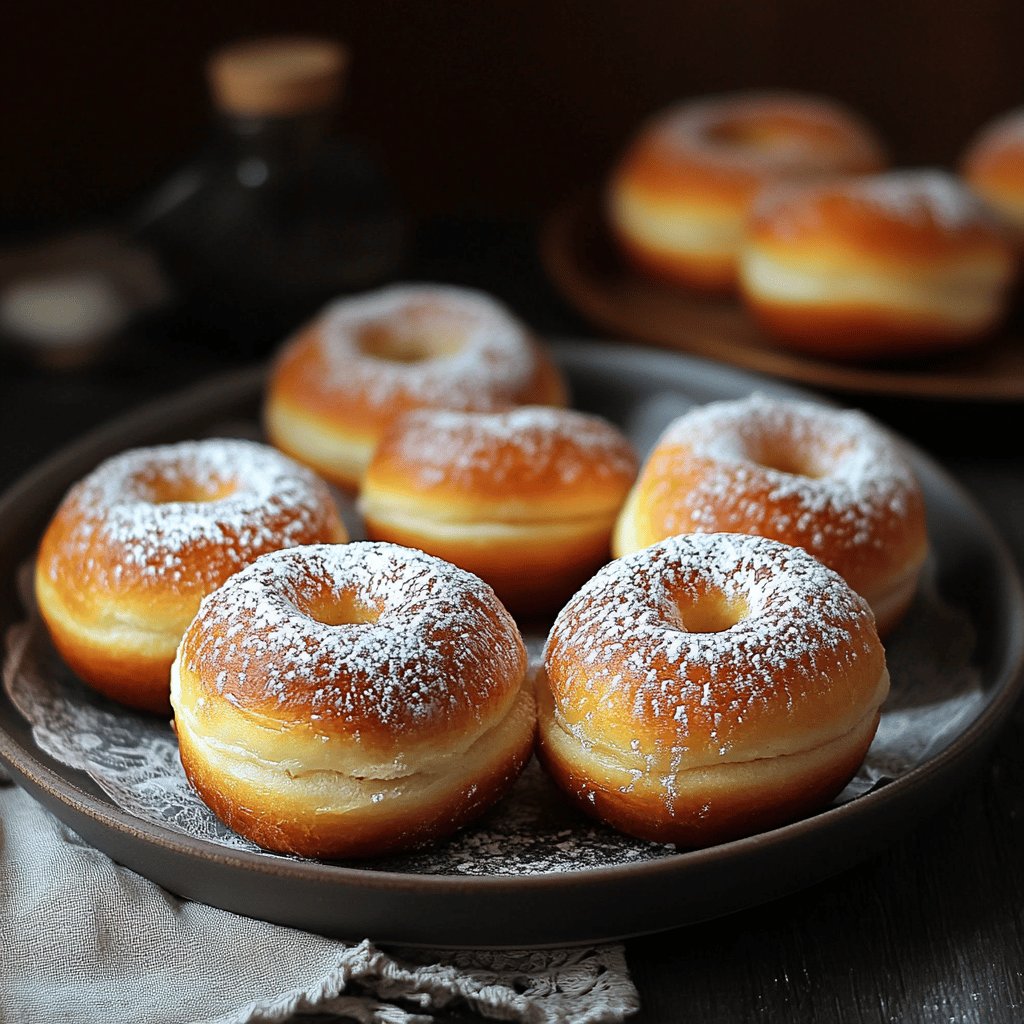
x: 526, y: 498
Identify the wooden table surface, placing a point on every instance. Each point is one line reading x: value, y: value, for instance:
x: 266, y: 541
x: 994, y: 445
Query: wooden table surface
x: 930, y: 930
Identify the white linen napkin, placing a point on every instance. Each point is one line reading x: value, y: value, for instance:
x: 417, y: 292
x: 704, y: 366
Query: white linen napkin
x: 86, y: 941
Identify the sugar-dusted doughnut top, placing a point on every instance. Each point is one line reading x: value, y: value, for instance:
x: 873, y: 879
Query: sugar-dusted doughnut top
x: 177, y: 519
x: 994, y: 163
x: 710, y: 649
x: 523, y: 460
x: 915, y: 215
x: 383, y: 645
x: 732, y: 143
x: 998, y: 149
x: 830, y: 481
x: 368, y: 357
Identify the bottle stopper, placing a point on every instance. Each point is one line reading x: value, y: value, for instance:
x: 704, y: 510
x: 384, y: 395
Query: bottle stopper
x: 277, y: 77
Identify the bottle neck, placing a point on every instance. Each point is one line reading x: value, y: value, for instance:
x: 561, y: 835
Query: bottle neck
x: 265, y: 147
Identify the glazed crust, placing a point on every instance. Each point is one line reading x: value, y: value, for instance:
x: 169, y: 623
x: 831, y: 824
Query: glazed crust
x: 709, y: 687
x: 347, y: 701
x: 525, y: 499
x: 123, y: 566
x: 332, y: 419
x: 678, y: 198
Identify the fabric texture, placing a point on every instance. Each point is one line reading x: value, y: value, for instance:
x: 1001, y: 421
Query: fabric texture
x: 86, y: 941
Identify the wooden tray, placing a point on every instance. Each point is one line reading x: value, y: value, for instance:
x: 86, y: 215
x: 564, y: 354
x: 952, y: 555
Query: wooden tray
x: 582, y: 261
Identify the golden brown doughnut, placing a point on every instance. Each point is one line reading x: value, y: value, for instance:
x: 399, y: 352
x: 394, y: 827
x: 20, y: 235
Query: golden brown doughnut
x: 993, y: 166
x: 348, y: 700
x: 343, y: 378
x: 710, y: 687
x: 525, y: 498
x: 136, y: 545
x: 678, y: 200
x: 831, y: 482
x: 892, y: 265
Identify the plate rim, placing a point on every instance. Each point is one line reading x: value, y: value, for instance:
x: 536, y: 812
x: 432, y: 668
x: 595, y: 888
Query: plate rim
x: 245, y: 383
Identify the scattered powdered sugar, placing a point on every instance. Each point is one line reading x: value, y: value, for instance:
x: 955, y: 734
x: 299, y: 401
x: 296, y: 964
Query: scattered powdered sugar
x: 846, y: 476
x: 1005, y: 132
x: 437, y: 645
x: 922, y: 197
x: 918, y: 198
x: 462, y: 349
x: 800, y: 625
x: 146, y: 512
x: 511, y: 447
x: 768, y: 133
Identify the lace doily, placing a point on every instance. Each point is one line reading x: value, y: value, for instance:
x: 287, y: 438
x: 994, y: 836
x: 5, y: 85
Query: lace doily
x: 582, y: 986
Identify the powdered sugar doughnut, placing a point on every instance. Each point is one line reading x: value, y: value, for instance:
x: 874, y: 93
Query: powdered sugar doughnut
x: 339, y: 383
x: 993, y: 166
x: 525, y: 498
x: 679, y: 198
x: 347, y: 700
x: 135, y: 546
x: 709, y: 687
x: 893, y: 264
x: 831, y: 482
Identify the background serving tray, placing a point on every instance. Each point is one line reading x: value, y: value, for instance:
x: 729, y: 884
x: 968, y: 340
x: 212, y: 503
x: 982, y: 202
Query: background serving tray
x: 582, y: 261
x: 973, y: 572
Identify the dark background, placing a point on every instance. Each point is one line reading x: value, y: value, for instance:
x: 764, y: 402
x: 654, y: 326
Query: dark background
x: 487, y: 115
x: 499, y: 107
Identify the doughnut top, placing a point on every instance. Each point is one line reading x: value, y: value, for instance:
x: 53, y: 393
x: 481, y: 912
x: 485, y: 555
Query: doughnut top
x: 183, y: 516
x: 405, y: 347
x: 742, y: 140
x: 994, y: 161
x: 830, y: 481
x: 713, y: 648
x: 379, y: 644
x: 918, y: 214
x: 525, y: 454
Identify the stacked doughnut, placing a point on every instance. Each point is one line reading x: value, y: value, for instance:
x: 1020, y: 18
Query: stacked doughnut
x: 678, y: 199
x: 344, y: 378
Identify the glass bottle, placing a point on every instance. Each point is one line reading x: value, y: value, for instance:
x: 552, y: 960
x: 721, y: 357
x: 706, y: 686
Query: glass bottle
x: 278, y: 215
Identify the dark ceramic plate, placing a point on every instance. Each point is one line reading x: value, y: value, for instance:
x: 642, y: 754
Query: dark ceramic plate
x: 412, y: 906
